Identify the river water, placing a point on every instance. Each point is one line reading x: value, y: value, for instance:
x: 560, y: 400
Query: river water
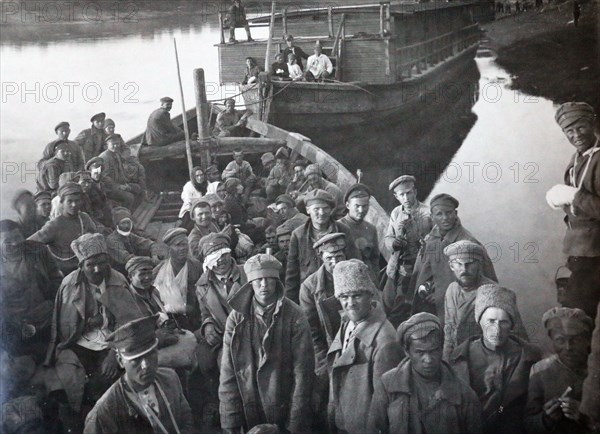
x: 494, y: 149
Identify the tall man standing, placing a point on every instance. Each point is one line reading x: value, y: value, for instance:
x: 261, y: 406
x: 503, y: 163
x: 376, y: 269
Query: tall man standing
x: 91, y: 140
x: 160, y: 130
x: 76, y: 161
x: 115, y: 179
x: 580, y: 200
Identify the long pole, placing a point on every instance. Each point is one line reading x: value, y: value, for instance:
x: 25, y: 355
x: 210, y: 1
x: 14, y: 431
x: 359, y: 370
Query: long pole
x: 202, y: 114
x: 271, y: 30
x: 188, y: 144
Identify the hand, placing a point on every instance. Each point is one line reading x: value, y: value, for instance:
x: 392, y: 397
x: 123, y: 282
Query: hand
x: 211, y: 335
x: 570, y: 408
x: 95, y: 321
x: 430, y: 299
x: 110, y: 366
x: 166, y: 337
x: 28, y: 331
x: 552, y: 410
x: 399, y: 244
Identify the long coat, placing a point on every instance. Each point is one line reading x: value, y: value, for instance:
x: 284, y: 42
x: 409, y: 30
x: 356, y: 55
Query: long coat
x: 281, y: 383
x: 91, y: 142
x: 364, y: 236
x: 355, y: 370
x: 303, y: 260
x: 160, y: 130
x: 510, y: 414
x: 590, y: 400
x: 115, y: 412
x: 395, y: 407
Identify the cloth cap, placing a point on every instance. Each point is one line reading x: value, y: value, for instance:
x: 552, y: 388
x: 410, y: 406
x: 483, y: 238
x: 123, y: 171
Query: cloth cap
x: 138, y: 263
x: 569, y: 321
x: 493, y: 295
x: 166, y: 99
x: 464, y: 250
x: 282, y: 153
x: 443, y: 199
x: 200, y: 202
x: 212, y: 242
x: 404, y: 179
x: 283, y: 229
x: 83, y: 174
x: 212, y: 199
x: 318, y: 44
x: 88, y: 245
x: 42, y: 195
x: 331, y: 243
x: 315, y: 196
x: 98, y: 116
x: 18, y: 195
x: 113, y: 137
x: 285, y: 198
x: 173, y: 233
x: 262, y: 265
x: 60, y: 143
x: 120, y: 213
x: 136, y: 338
x: 352, y: 276
x: 300, y: 162
x: 357, y: 190
x: 312, y: 169
x: 267, y: 157
x: 94, y: 162
x: 62, y: 124
x: 231, y: 184
x: 69, y: 187
x: 570, y: 112
x: 417, y: 327
x: 108, y: 122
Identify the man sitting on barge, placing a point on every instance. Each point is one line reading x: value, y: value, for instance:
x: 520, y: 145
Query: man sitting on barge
x: 318, y: 66
x: 229, y: 122
x: 160, y: 131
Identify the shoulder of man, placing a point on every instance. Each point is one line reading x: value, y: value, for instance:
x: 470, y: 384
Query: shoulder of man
x: 543, y: 365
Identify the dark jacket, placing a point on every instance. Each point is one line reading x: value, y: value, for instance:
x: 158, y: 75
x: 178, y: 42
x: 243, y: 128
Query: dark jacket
x: 196, y: 234
x: 115, y: 412
x: 354, y: 371
x: 284, y: 68
x: 75, y: 162
x: 590, y: 399
x: 300, y: 54
x: 281, y: 383
x: 160, y: 130
x: 47, y: 179
x: 113, y: 172
x: 303, y: 260
x: 122, y: 248
x: 91, y: 142
x: 395, y: 407
x: 364, y: 235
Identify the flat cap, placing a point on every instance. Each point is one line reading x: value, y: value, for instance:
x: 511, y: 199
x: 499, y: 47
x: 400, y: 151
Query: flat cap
x: 88, y: 245
x: 42, y: 195
x: 352, y: 276
x: 60, y: 125
x: 83, y: 174
x: 66, y: 177
x: 283, y: 229
x: 173, y: 233
x: 443, y: 199
x: 136, y: 338
x: 570, y: 112
x: 493, y: 295
x: 212, y: 199
x: 331, y: 243
x: 262, y: 265
x: 464, y: 250
x: 138, y: 263
x: 357, y: 190
x: 285, y: 198
x: 212, y: 242
x: 203, y: 203
x: 231, y: 184
x: 120, y: 213
x: 418, y: 326
x: 569, y: 321
x: 319, y: 196
x: 267, y: 157
x: 312, y: 169
x: 282, y: 152
x: 166, y: 99
x: 59, y: 144
x: 113, y: 138
x: 94, y: 162
x: 404, y: 179
x: 108, y: 122
x: 68, y: 188
x: 18, y: 195
x: 98, y: 116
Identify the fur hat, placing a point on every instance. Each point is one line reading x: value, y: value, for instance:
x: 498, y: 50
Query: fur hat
x: 88, y: 245
x: 569, y: 321
x: 352, y: 276
x: 493, y: 295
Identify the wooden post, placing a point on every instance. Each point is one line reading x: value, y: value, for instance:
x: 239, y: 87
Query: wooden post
x: 381, y: 19
x: 188, y: 145
x: 202, y: 113
x: 330, y: 21
x: 221, y: 27
x: 271, y: 29
x: 284, y: 23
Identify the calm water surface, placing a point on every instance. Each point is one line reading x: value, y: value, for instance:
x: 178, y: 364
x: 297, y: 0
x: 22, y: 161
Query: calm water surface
x: 497, y: 155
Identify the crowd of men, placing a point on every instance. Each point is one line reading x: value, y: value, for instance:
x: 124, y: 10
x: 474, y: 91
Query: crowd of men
x: 270, y: 296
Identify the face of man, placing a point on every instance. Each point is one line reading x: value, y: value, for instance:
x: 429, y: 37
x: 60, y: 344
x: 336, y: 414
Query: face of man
x: 358, y: 207
x: 238, y: 157
x: 202, y: 216
x: 125, y: 225
x: 320, y: 213
x: 271, y: 238
x: 26, y: 205
x: 466, y: 271
x: 86, y: 184
x: 426, y: 356
x: 98, y: 124
x: 572, y: 349
x: 406, y: 194
x: 318, y: 50
x: 283, y: 209
x: 96, y: 173
x: 141, y: 371
x: 44, y: 206
x: 213, y: 176
x: 298, y: 173
x: 11, y: 241
x: 96, y: 268
x: 496, y: 325
x: 283, y: 241
x: 142, y: 278
x: 289, y: 42
x: 178, y: 248
x: 217, y: 209
x: 269, y: 165
x: 224, y: 264
x: 199, y: 176
x: 331, y: 259
x: 125, y: 152
x: 62, y: 152
x: 444, y: 217
x: 581, y: 134
x: 221, y: 190
x: 265, y: 290
x: 314, y: 179
x: 167, y: 105
x: 356, y: 305
x: 63, y: 133
x: 71, y: 204
x: 279, y: 58
x: 249, y: 63
x: 109, y: 129
x: 113, y: 145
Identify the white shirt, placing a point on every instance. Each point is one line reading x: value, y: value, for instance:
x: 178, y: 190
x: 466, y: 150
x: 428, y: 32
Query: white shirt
x: 95, y: 339
x: 295, y: 71
x: 319, y: 64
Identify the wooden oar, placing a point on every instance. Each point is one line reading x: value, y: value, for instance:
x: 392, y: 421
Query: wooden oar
x: 188, y: 144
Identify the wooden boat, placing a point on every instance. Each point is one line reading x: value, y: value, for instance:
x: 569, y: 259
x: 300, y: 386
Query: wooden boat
x: 159, y: 214
x: 386, y: 59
